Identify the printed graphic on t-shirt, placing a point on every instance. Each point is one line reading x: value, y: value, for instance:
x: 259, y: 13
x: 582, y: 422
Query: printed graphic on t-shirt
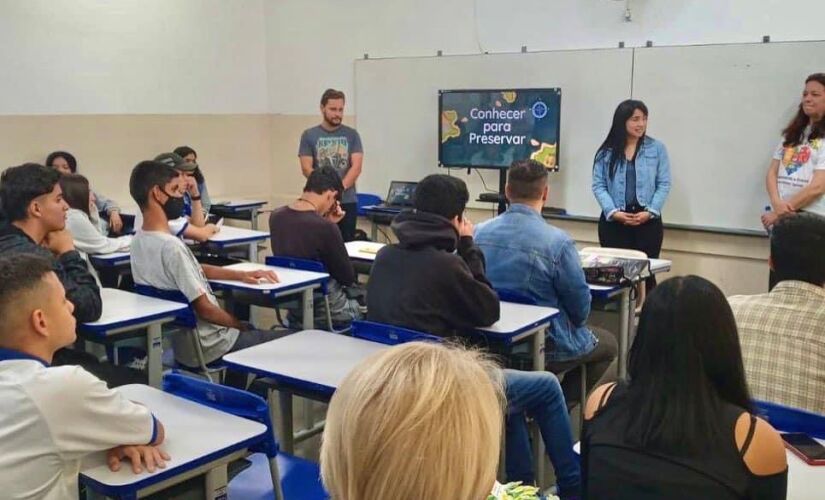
x: 332, y: 151
x: 795, y: 157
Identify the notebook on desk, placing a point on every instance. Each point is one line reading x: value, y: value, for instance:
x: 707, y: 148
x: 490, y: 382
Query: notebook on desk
x: 399, y: 197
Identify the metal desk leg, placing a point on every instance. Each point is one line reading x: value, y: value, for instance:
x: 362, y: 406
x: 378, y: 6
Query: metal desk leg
x: 309, y: 313
x: 625, y: 316
x: 538, y: 443
x: 215, y: 483
x: 253, y: 251
x: 154, y: 353
x: 253, y: 218
x: 282, y: 417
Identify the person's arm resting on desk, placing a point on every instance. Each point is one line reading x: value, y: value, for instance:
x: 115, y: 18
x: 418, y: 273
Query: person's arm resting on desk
x: 91, y: 417
x: 73, y: 272
x: 571, y: 287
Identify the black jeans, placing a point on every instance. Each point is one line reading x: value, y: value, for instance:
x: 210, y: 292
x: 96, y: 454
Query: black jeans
x: 347, y: 224
x: 597, y: 361
x: 647, y: 238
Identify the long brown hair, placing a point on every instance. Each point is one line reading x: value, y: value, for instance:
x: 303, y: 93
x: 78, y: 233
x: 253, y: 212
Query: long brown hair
x: 793, y: 132
x: 76, y: 192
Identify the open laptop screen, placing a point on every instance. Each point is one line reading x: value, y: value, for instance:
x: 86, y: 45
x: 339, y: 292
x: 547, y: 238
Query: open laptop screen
x: 401, y: 193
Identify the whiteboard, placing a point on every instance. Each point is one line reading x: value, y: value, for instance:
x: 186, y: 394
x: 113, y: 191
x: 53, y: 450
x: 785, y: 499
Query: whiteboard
x: 396, y: 109
x: 719, y: 109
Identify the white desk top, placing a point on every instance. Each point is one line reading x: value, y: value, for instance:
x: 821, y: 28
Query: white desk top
x: 120, y: 308
x: 805, y: 482
x: 229, y: 234
x: 313, y: 357
x: 239, y: 203
x: 516, y: 318
x: 187, y: 424
x: 289, y: 278
x: 363, y: 250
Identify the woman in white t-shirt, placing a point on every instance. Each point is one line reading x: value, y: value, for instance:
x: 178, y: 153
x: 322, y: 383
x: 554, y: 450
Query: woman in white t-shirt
x: 86, y: 235
x: 796, y: 177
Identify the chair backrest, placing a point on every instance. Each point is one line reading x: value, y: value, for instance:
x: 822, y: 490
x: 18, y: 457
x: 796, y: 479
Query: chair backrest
x: 227, y: 399
x: 788, y: 419
x: 299, y: 264
x: 615, y: 252
x: 186, y: 317
x: 389, y: 334
x: 510, y: 295
x: 366, y: 200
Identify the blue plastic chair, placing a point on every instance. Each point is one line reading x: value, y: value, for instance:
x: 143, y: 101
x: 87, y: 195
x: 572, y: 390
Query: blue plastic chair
x: 306, y: 265
x: 389, y: 334
x: 788, y: 419
x: 291, y: 478
x: 366, y: 200
x: 187, y: 321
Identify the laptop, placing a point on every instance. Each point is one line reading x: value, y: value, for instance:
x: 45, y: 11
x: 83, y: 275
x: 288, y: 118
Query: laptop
x: 399, y: 197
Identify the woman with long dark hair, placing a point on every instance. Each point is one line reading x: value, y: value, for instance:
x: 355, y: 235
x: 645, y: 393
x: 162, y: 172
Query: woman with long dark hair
x: 79, y: 222
x: 796, y: 176
x: 682, y: 426
x: 65, y: 163
x: 631, y: 181
x: 191, y: 156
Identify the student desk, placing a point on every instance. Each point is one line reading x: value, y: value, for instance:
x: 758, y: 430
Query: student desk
x: 199, y: 440
x: 230, y: 236
x: 292, y: 282
x: 239, y: 210
x: 379, y: 216
x: 311, y: 363
x: 805, y: 482
x: 116, y: 259
x: 627, y: 310
x: 126, y: 312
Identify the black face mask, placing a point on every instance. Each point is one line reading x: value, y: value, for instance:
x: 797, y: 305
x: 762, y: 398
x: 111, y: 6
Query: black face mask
x: 173, y: 208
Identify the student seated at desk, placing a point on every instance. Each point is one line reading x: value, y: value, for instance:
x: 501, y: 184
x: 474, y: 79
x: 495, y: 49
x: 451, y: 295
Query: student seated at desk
x: 420, y: 283
x: 416, y: 421
x: 33, y: 201
x: 55, y: 416
x: 161, y: 260
x: 527, y: 255
x: 66, y: 163
x: 783, y: 331
x: 683, y: 426
x: 189, y: 155
x: 87, y: 238
x: 306, y: 229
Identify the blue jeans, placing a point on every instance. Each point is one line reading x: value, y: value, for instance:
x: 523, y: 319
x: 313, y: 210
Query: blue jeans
x: 539, y: 394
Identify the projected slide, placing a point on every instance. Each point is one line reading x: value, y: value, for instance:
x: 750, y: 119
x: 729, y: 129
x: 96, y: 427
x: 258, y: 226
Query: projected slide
x: 492, y: 128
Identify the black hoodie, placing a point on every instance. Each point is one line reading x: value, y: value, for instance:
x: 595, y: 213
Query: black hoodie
x: 420, y: 283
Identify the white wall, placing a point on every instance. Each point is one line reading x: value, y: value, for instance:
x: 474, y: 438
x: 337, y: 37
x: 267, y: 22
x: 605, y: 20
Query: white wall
x: 132, y: 56
x: 312, y: 44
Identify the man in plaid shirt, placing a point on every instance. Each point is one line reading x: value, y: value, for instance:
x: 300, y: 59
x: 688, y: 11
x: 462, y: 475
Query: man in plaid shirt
x: 783, y: 332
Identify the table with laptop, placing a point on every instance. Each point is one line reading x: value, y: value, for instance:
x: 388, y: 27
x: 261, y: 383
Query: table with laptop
x: 399, y: 197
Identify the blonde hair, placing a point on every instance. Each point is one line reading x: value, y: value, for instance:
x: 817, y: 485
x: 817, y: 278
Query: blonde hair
x: 419, y: 420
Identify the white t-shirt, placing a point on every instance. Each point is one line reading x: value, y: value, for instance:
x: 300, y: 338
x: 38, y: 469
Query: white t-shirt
x: 163, y: 261
x: 797, y: 165
x: 51, y: 418
x: 176, y: 226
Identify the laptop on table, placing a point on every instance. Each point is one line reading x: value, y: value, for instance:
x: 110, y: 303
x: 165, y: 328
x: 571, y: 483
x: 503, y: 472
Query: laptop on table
x: 399, y: 197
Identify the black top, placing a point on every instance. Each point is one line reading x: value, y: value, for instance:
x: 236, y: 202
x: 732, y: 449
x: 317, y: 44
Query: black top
x: 307, y: 235
x: 73, y: 272
x: 422, y: 284
x: 630, y: 199
x: 616, y: 469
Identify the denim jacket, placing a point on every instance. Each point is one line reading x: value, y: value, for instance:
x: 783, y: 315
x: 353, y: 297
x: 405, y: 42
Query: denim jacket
x: 531, y: 257
x: 652, y: 179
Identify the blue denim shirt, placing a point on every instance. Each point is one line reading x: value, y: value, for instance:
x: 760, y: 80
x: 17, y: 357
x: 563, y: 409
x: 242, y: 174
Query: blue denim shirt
x: 652, y: 179
x: 531, y: 257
